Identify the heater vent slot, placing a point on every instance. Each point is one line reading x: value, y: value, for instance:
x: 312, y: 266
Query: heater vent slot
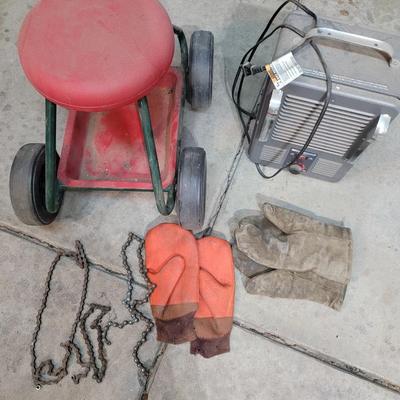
x: 340, y: 128
x: 326, y: 168
x: 272, y: 154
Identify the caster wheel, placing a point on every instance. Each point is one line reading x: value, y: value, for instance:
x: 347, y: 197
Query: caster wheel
x: 191, y: 188
x: 201, y: 64
x: 27, y: 186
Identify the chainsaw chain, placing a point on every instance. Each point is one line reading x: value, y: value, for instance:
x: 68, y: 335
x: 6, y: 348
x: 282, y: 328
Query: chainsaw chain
x: 46, y: 373
x: 132, y: 305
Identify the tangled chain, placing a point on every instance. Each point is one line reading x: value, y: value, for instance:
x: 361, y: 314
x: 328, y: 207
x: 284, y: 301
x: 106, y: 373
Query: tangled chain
x: 46, y: 373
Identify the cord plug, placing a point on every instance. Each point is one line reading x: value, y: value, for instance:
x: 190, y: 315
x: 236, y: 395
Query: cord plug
x: 251, y: 69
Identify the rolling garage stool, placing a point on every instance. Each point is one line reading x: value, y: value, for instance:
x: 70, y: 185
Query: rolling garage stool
x: 109, y: 63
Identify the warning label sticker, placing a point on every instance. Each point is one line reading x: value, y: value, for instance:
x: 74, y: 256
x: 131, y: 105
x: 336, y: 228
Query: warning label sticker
x: 284, y: 70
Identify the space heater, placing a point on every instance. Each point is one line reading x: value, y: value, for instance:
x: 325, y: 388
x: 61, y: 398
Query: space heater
x: 365, y: 100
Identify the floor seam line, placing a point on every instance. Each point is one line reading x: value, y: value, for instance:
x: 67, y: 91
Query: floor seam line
x: 326, y: 359
x: 56, y: 249
x: 154, y: 370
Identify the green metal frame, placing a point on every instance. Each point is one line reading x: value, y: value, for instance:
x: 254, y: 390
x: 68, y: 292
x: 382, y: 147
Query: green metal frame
x: 165, y: 208
x: 53, y: 187
x: 184, y: 58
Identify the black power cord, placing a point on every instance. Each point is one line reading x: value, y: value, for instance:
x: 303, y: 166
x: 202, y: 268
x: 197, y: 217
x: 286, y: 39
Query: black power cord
x: 238, y: 82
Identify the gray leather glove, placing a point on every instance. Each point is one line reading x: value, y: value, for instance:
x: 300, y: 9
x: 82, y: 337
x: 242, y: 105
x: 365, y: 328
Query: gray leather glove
x: 286, y: 254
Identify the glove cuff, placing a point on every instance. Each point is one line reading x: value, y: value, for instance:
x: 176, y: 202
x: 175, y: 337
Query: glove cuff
x: 176, y: 331
x: 211, y: 347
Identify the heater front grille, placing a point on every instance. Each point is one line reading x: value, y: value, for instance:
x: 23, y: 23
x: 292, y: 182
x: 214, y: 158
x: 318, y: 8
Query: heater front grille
x: 272, y: 154
x: 326, y: 168
x: 340, y: 128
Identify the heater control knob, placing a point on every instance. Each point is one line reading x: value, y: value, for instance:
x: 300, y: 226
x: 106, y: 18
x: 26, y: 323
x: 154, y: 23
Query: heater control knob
x: 296, y: 169
x: 302, y: 164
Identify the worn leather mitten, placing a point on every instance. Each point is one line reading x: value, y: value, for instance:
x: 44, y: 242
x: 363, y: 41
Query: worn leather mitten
x: 214, y: 317
x: 302, y: 258
x: 172, y: 265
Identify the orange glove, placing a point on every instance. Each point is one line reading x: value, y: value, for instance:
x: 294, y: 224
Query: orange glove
x: 214, y: 317
x: 172, y: 264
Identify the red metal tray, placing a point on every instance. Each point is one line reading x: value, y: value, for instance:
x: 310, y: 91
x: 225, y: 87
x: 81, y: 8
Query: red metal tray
x: 106, y: 150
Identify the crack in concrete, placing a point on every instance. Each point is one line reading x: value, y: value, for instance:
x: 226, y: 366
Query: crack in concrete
x: 144, y: 393
x: 326, y: 359
x: 67, y: 252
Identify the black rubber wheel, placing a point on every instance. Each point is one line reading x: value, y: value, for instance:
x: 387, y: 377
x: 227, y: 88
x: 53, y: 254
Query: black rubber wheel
x: 191, y: 189
x: 27, y: 186
x: 201, y: 64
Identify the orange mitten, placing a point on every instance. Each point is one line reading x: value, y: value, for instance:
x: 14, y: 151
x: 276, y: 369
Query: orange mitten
x: 214, y: 317
x: 172, y: 265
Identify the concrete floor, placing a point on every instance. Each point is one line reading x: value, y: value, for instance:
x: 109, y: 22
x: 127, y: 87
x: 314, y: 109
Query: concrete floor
x: 364, y: 334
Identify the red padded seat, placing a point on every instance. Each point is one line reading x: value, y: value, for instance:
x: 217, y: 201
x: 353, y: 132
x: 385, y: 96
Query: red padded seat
x: 96, y: 55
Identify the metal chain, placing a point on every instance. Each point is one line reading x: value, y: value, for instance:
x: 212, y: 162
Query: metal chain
x: 133, y: 304
x: 98, y: 373
x: 46, y: 373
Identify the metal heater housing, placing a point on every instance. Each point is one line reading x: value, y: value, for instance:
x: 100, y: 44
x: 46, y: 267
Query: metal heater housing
x: 366, y: 90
